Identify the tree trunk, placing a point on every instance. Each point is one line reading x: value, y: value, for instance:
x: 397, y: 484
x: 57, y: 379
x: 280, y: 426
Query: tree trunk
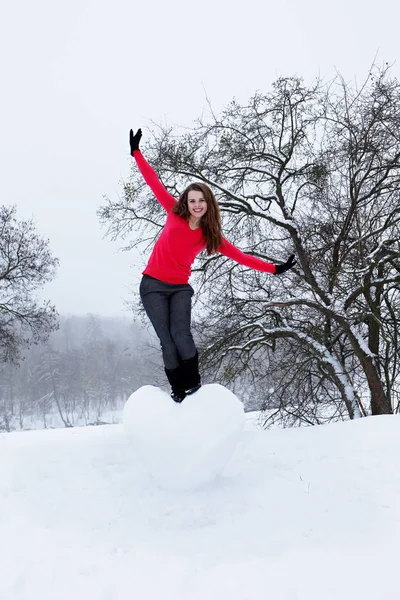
x: 380, y: 403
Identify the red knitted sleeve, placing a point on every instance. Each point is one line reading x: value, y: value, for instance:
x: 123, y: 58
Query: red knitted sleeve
x: 229, y: 250
x: 150, y: 177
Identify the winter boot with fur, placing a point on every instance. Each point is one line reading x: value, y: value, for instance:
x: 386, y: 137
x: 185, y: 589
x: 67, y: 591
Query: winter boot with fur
x: 175, y: 378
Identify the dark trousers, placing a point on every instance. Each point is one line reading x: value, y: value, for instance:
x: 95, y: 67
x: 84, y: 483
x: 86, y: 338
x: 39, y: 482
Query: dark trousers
x: 168, y: 306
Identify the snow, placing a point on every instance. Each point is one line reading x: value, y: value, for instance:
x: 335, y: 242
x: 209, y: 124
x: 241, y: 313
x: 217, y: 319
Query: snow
x: 296, y: 514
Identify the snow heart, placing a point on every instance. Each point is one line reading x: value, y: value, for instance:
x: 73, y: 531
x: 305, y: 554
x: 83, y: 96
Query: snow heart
x: 184, y: 446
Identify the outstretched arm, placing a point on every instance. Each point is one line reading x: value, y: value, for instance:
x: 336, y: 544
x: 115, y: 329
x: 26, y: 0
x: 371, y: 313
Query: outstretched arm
x: 229, y: 250
x: 149, y: 175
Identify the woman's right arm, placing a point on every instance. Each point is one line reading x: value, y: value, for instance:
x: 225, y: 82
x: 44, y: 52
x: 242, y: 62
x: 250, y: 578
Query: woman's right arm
x: 150, y: 177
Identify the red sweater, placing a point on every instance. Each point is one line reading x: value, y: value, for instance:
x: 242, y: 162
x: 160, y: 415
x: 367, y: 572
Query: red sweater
x: 178, y: 245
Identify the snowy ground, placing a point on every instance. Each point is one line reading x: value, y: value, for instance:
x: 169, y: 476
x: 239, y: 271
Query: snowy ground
x: 299, y: 514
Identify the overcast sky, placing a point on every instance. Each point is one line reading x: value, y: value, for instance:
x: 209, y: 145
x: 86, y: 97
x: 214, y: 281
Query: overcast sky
x: 76, y: 75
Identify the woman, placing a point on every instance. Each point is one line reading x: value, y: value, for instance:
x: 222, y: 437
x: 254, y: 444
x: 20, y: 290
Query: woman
x: 193, y: 224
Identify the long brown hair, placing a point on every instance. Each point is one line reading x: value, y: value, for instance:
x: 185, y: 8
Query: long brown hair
x: 210, y: 222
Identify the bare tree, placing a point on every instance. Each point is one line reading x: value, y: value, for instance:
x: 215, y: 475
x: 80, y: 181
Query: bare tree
x: 26, y: 264
x: 314, y: 170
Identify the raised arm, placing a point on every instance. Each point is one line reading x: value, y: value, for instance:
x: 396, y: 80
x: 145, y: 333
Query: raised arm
x: 149, y: 175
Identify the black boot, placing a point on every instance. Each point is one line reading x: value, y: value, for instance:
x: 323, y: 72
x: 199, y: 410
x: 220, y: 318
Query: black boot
x: 175, y: 378
x: 191, y: 375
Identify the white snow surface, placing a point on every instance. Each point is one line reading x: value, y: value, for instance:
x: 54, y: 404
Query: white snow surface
x: 198, y: 436
x: 296, y: 514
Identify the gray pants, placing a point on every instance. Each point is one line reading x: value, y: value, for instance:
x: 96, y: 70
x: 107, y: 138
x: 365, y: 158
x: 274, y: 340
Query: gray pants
x: 168, y: 306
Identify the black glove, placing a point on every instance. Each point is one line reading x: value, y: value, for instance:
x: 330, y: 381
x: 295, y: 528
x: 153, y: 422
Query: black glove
x: 287, y: 265
x: 134, y: 140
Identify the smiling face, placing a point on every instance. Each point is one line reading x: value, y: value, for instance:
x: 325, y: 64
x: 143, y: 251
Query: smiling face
x: 199, y: 207
x: 197, y: 204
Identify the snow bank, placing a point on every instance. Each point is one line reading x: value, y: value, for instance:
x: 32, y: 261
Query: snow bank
x: 184, y: 446
x: 309, y: 513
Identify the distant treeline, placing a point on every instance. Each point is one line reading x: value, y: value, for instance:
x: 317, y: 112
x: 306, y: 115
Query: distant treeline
x: 87, y: 370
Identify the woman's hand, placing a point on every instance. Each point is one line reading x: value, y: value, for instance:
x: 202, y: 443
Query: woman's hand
x: 286, y: 266
x: 134, y: 140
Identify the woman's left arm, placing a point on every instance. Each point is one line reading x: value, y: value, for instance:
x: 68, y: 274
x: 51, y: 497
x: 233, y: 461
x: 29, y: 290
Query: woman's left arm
x: 229, y: 250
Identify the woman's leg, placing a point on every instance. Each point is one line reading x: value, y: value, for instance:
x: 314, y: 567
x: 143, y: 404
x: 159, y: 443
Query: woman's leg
x: 180, y: 322
x: 157, y: 307
x: 180, y: 313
